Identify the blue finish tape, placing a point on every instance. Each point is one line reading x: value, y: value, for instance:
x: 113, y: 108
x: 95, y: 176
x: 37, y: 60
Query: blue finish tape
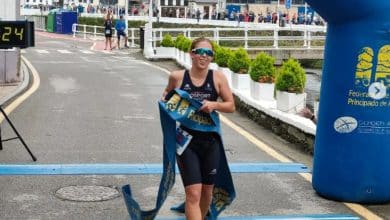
x: 141, y: 169
x: 284, y: 217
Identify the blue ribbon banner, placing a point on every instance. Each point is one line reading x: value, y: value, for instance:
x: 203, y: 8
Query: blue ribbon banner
x: 181, y: 108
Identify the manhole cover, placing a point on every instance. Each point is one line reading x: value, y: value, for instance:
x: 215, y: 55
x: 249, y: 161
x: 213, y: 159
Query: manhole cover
x: 87, y: 193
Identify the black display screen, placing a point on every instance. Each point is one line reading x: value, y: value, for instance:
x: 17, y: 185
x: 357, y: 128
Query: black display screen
x: 16, y: 34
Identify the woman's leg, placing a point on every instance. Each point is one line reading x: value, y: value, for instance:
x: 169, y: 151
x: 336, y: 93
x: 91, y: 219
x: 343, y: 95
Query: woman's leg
x: 189, y: 166
x: 106, y: 43
x: 206, y: 198
x: 209, y: 167
x: 192, y: 208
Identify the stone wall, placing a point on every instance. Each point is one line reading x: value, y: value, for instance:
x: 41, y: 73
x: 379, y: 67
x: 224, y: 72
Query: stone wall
x: 288, y: 132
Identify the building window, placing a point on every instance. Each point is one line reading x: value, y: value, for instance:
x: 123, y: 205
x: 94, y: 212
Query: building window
x: 298, y: 2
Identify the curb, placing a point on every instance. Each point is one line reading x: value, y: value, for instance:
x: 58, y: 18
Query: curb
x: 22, y: 87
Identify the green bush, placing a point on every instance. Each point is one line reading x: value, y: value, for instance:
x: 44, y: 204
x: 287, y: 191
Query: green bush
x: 179, y: 41
x: 167, y: 41
x: 222, y: 55
x: 215, y: 45
x: 186, y: 45
x: 291, y: 77
x: 262, y: 68
x: 239, y: 61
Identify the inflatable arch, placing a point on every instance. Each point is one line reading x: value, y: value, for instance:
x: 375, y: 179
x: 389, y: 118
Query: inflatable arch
x: 352, y: 147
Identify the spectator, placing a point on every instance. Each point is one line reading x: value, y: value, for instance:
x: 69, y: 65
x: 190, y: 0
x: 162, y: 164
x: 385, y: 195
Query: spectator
x: 120, y: 28
x: 260, y: 18
x: 198, y: 15
x: 108, y: 29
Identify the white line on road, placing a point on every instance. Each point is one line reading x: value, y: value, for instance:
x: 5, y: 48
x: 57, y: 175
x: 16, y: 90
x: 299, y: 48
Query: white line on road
x: 64, y: 51
x: 87, y: 51
x: 42, y: 51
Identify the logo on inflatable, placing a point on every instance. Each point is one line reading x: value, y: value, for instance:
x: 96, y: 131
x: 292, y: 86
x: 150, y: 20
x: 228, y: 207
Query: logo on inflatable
x: 345, y: 124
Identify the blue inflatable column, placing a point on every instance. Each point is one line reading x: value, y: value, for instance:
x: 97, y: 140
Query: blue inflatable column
x: 352, y: 148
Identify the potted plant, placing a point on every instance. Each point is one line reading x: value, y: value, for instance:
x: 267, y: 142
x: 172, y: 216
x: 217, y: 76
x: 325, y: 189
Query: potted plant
x: 178, y: 42
x: 221, y: 57
x: 262, y: 74
x: 290, y: 85
x: 238, y: 63
x: 185, y: 48
x: 214, y: 65
x: 167, y: 47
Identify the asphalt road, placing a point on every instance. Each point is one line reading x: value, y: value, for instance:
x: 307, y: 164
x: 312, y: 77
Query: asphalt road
x: 98, y: 107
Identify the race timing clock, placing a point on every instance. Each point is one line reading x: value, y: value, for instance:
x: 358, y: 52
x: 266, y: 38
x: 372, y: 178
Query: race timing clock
x: 16, y: 34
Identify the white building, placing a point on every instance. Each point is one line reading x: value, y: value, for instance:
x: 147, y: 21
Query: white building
x: 37, y: 2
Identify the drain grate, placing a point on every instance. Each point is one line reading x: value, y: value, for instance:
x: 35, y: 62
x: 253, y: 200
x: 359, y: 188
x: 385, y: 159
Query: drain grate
x: 87, y: 193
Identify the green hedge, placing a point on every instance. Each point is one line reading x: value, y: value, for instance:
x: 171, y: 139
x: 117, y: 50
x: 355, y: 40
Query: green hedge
x: 167, y: 41
x: 291, y: 77
x: 222, y: 56
x: 262, y: 68
x: 239, y: 61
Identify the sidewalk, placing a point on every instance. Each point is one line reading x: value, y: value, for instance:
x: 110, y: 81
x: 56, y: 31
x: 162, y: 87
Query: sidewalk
x: 12, y: 90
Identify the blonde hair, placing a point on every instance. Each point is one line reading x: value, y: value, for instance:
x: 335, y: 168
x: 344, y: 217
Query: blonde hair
x: 201, y: 39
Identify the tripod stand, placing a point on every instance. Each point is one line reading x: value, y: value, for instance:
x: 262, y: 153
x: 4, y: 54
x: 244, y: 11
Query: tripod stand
x: 17, y: 135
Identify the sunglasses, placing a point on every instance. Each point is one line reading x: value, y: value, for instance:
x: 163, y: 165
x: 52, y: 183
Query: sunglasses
x: 203, y: 51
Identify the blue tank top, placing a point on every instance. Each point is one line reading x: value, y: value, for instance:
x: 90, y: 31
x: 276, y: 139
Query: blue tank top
x: 205, y: 91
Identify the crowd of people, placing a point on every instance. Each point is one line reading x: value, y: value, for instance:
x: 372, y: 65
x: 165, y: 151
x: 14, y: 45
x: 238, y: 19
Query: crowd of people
x: 244, y: 15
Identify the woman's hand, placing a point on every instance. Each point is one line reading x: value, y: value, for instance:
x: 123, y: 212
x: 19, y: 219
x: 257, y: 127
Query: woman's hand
x: 163, y: 96
x: 208, y: 106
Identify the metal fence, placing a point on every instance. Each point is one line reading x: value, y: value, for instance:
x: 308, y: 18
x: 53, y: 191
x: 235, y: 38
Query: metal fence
x: 250, y: 38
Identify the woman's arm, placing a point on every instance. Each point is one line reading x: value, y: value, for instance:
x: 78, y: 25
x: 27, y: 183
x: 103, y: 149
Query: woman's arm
x: 223, y: 89
x: 173, y: 83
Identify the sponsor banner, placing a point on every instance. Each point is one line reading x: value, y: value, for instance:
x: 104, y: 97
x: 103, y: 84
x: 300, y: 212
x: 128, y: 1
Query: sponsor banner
x: 352, y: 144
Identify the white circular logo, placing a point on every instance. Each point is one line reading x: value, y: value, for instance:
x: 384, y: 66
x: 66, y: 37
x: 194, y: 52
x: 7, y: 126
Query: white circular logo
x: 345, y: 124
x: 377, y: 90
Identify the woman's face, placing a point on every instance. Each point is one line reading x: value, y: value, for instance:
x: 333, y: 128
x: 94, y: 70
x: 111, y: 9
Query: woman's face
x: 202, y: 55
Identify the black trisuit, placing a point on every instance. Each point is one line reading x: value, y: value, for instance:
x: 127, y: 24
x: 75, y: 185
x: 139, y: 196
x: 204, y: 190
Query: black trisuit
x: 199, y: 162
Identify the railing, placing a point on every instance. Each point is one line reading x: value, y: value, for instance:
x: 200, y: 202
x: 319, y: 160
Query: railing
x: 98, y: 31
x: 271, y: 37
x: 39, y: 21
x: 250, y: 38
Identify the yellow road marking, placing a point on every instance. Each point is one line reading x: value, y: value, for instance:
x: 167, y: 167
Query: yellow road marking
x: 24, y: 96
